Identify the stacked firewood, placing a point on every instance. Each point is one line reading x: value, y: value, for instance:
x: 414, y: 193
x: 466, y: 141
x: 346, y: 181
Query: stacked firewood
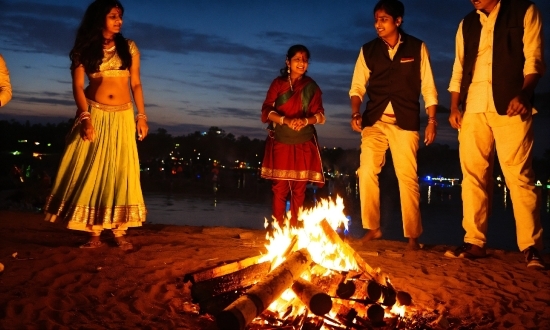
x: 240, y: 295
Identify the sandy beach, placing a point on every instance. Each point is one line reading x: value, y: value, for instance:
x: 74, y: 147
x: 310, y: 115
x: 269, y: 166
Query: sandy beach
x: 49, y: 283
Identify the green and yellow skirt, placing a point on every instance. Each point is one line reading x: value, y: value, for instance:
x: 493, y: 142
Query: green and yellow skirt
x: 97, y: 185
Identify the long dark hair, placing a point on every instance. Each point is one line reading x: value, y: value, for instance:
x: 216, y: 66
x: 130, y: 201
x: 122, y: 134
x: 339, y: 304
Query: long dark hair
x: 394, y: 8
x: 290, y: 54
x: 88, y: 46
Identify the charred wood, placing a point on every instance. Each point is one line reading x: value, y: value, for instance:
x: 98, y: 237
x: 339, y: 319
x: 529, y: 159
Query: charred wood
x: 242, y: 311
x: 318, y: 302
x: 217, y: 271
x: 216, y: 304
x: 230, y: 282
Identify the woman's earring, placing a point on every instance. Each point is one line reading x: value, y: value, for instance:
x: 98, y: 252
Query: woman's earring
x: 287, y: 69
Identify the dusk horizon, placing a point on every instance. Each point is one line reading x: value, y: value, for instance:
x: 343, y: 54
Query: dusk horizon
x: 211, y: 65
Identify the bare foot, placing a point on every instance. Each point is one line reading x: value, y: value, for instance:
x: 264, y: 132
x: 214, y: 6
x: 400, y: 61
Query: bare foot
x: 413, y: 244
x: 124, y: 244
x: 372, y: 235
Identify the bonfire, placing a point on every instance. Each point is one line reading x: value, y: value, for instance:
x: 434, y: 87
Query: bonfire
x: 310, y: 278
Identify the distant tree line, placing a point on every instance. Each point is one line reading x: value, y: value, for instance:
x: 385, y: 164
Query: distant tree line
x: 41, y: 145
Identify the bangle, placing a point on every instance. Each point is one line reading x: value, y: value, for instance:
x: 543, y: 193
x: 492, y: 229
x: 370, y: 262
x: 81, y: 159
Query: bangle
x: 281, y: 120
x: 84, y: 115
x: 355, y: 115
x: 432, y: 120
x: 141, y: 116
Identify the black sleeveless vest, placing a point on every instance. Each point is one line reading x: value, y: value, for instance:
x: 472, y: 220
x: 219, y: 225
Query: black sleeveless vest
x: 397, y: 81
x: 508, y: 59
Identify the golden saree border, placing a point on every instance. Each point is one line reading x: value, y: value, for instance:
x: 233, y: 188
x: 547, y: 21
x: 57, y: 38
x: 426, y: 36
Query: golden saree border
x: 109, y: 108
x: 305, y: 175
x: 87, y: 218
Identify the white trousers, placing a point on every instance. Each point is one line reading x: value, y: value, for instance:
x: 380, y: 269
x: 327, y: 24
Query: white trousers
x: 513, y: 138
x: 403, y: 145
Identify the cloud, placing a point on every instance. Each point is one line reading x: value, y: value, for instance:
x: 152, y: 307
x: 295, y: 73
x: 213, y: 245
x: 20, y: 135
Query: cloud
x: 35, y: 27
x: 341, y: 116
x: 34, y: 119
x: 225, y: 112
x: 185, y: 129
x: 285, y: 38
x: 185, y: 41
x: 151, y: 105
x: 335, y: 96
x: 43, y: 100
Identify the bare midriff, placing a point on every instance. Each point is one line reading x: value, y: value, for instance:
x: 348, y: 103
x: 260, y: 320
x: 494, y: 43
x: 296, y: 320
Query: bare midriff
x: 109, y: 90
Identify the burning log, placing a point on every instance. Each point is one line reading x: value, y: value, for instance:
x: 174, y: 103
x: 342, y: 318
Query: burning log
x: 375, y: 313
x: 335, y: 239
x: 247, y: 307
x: 374, y: 290
x: 346, y: 289
x: 240, y: 279
x: 404, y: 298
x: 318, y: 302
x: 221, y: 270
x: 216, y: 304
x: 327, y: 283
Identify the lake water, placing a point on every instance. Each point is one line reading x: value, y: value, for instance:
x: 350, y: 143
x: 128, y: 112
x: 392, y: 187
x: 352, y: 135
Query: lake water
x: 247, y: 207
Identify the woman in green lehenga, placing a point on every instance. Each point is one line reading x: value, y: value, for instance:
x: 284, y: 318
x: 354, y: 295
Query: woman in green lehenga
x: 97, y: 186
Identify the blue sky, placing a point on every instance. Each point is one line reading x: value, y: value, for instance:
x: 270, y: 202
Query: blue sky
x: 209, y: 63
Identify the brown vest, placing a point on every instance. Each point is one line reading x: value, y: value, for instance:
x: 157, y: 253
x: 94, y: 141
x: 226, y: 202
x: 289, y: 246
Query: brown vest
x: 397, y: 81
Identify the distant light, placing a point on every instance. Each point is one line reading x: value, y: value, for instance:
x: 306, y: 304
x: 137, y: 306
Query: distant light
x: 22, y: 141
x: 16, y: 153
x: 177, y: 144
x: 49, y: 144
x: 37, y: 143
x: 428, y: 177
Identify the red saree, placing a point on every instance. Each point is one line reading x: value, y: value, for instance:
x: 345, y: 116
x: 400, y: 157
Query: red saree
x: 300, y: 161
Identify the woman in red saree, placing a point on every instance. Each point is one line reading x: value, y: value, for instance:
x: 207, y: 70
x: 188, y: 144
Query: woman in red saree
x: 292, y: 106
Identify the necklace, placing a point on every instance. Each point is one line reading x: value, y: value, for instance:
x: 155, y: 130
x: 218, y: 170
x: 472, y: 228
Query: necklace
x: 290, y: 82
x: 107, y: 41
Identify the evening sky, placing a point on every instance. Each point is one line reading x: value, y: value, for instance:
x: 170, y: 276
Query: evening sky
x: 209, y: 63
